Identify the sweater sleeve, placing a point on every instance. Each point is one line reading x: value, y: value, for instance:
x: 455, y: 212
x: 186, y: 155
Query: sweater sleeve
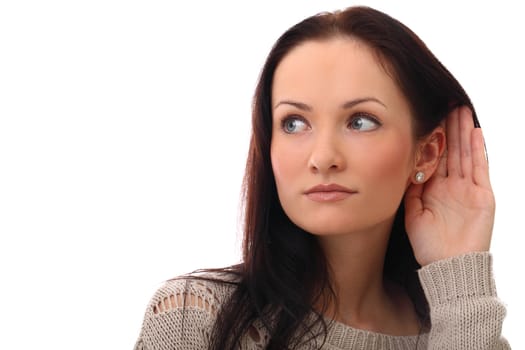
x: 180, y: 316
x: 465, y: 311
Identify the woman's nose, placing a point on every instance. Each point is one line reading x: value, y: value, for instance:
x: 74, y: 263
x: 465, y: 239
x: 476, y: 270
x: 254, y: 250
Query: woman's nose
x: 326, y: 155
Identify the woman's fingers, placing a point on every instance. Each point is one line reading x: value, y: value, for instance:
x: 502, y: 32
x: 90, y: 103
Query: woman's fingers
x: 453, y: 144
x: 441, y: 170
x: 466, y: 124
x: 459, y: 143
x: 480, y: 166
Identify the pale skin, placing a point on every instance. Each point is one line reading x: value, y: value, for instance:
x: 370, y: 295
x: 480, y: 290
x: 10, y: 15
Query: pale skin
x: 338, y: 118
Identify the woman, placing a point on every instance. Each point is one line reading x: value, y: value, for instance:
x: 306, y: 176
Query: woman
x: 368, y: 207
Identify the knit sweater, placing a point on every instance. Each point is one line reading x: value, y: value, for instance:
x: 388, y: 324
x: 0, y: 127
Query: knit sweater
x: 464, y: 309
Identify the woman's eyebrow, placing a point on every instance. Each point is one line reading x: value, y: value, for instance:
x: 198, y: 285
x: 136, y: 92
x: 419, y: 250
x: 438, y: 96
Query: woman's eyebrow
x: 346, y: 105
x: 357, y: 101
x: 299, y: 105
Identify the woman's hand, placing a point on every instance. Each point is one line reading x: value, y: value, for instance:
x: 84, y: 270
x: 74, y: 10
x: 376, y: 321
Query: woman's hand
x: 453, y: 212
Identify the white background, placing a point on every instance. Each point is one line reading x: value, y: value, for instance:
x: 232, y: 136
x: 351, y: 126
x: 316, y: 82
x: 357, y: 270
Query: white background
x: 124, y: 127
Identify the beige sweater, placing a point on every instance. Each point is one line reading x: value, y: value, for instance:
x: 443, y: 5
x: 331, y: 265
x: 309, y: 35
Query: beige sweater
x: 465, y: 314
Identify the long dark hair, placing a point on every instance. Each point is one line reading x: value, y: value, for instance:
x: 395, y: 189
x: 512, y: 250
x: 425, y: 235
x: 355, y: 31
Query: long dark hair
x: 284, y: 273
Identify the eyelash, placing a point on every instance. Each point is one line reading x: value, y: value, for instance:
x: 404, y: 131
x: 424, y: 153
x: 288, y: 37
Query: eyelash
x: 364, y: 115
x: 350, y: 120
x: 291, y: 118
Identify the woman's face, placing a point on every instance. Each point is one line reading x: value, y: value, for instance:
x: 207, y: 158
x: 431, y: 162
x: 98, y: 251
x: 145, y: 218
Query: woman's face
x: 342, y: 148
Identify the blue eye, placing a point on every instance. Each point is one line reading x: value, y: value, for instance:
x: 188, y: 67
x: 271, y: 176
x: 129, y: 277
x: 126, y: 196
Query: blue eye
x: 363, y: 123
x: 292, y: 125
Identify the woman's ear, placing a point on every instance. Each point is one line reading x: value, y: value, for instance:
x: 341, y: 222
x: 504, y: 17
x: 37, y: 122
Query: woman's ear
x: 428, y: 154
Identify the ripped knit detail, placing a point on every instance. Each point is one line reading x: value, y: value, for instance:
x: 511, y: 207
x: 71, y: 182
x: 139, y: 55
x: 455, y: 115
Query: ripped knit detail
x: 182, y: 313
x: 194, y: 295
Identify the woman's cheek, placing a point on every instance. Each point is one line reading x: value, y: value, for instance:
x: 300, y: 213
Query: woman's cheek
x: 389, y: 163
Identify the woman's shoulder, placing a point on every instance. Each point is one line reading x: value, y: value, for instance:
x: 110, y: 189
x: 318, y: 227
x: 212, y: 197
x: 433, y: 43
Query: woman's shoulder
x: 202, y: 290
x: 182, y: 311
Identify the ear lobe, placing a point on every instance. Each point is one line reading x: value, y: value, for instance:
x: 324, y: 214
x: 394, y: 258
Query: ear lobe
x: 430, y: 151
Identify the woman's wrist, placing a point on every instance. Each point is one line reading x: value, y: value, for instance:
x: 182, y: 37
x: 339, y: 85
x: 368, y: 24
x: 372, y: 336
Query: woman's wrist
x: 457, y: 278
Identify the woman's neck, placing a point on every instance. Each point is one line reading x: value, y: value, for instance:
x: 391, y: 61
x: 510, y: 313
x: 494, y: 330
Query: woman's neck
x: 364, y: 299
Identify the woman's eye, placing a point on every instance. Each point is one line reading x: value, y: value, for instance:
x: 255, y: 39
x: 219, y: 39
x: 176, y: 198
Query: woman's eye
x: 293, y: 125
x: 363, y: 123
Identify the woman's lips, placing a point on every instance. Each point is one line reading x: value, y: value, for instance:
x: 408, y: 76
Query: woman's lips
x: 329, y: 193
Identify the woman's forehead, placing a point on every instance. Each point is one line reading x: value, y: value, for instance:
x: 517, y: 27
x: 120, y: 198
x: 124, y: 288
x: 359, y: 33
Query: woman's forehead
x: 339, y: 68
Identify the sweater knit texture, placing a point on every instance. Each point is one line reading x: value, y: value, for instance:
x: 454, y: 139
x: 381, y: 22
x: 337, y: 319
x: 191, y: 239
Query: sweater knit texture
x: 464, y: 309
